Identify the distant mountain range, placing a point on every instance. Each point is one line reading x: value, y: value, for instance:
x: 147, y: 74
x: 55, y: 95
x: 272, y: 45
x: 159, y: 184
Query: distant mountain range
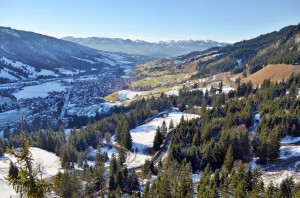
x: 162, y: 49
x: 250, y: 56
x: 28, y: 55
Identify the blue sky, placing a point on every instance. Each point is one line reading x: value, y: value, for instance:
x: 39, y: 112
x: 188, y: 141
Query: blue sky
x: 152, y: 20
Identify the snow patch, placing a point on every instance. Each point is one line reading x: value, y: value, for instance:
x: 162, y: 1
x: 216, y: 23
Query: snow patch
x: 128, y: 94
x: 40, y: 90
x: 289, y: 140
x: 12, y: 116
x: 65, y: 71
x: 143, y: 136
x: 50, y: 165
x: 289, y: 151
x: 278, y: 177
x: 30, y: 70
x: 85, y: 60
x: 5, y: 74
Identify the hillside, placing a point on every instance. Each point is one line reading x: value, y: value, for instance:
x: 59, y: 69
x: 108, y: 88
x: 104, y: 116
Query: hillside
x: 28, y: 55
x: 274, y: 72
x: 278, y: 47
x: 162, y: 49
x: 49, y: 162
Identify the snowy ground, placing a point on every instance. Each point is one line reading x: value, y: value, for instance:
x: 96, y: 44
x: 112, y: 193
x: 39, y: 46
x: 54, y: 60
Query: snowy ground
x: 143, y: 136
x: 175, y: 90
x: 289, y: 140
x: 225, y: 89
x: 287, y: 166
x: 4, y: 100
x: 33, y: 73
x: 41, y: 90
x: 128, y: 94
x: 65, y: 71
x: 91, y: 111
x: 50, y: 165
x: 109, y: 151
x: 289, y: 151
x: 11, y: 116
x: 277, y: 176
x: 196, y: 177
x: 288, y: 147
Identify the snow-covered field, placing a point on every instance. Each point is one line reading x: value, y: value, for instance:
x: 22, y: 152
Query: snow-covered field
x: 13, y: 115
x: 39, y: 90
x: 50, y: 165
x: 225, y: 89
x: 288, y: 155
x: 109, y: 151
x: 143, y: 136
x: 4, y: 100
x: 4, y: 74
x: 289, y: 151
x: 278, y: 176
x: 33, y: 73
x: 91, y: 111
x: 66, y: 71
x: 128, y: 94
x: 175, y: 90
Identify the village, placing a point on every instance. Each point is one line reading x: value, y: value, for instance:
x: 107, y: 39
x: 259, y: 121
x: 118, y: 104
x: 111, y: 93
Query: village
x: 45, y: 108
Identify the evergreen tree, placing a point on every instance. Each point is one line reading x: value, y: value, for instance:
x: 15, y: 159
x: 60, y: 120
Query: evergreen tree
x: 99, y: 175
x: 171, y: 126
x: 121, y: 156
x: 286, y: 188
x: 271, y: 190
x: 220, y: 87
x: 70, y: 185
x: 13, y: 170
x: 274, y: 145
x: 80, y: 159
x: 61, y: 136
x: 228, y: 162
x: 127, y: 140
x: 214, y: 192
x: 185, y: 183
x: 182, y: 106
x: 113, y: 166
x: 118, y: 131
x: 164, y: 129
x: 158, y: 139
x: 132, y: 182
x: 65, y: 158
x: 262, y: 149
x: 146, y: 190
x: 112, y: 184
x: 164, y: 187
x: 27, y: 181
x: 241, y: 190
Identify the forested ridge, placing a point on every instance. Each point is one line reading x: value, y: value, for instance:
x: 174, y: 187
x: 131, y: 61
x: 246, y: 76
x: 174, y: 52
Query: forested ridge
x: 278, y: 47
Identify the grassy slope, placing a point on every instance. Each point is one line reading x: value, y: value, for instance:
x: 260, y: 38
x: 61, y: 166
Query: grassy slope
x: 274, y: 72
